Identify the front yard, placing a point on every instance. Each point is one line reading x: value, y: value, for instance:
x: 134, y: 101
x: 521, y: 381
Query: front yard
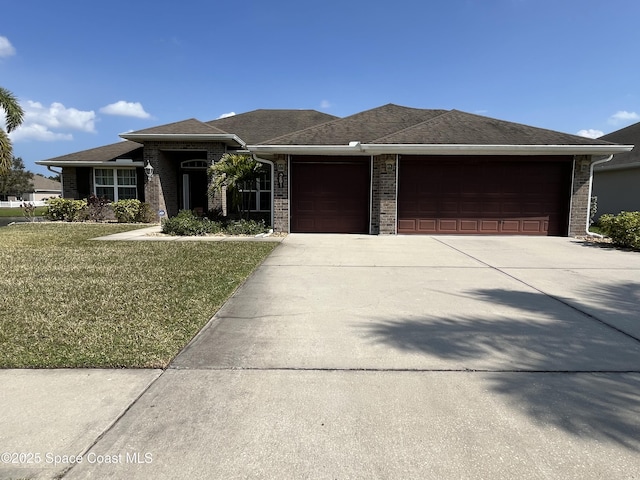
x: 67, y: 301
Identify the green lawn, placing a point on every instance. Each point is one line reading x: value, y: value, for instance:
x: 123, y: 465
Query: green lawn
x: 67, y: 301
x: 17, y: 212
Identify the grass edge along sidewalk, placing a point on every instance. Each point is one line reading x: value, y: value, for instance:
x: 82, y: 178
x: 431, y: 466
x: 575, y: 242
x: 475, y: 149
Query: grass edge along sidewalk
x: 66, y: 301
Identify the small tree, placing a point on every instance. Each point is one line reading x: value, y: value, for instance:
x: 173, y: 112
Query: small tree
x: 236, y: 173
x: 16, y: 181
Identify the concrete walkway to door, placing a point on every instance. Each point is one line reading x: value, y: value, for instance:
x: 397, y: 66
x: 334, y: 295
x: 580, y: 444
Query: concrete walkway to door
x: 404, y: 357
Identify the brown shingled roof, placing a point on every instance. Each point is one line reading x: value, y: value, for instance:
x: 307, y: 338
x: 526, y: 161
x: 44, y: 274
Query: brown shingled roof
x: 630, y: 136
x: 43, y: 183
x: 461, y: 128
x: 260, y: 125
x: 363, y: 127
x: 102, y: 154
x: 185, y: 127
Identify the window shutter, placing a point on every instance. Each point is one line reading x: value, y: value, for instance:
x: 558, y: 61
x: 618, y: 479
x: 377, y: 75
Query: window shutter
x: 140, y: 177
x: 83, y: 181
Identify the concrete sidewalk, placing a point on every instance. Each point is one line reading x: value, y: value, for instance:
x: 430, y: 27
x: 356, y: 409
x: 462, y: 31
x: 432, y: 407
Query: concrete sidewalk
x: 380, y: 357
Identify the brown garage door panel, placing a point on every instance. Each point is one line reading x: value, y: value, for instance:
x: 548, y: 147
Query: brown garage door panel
x: 498, y: 195
x: 330, y: 194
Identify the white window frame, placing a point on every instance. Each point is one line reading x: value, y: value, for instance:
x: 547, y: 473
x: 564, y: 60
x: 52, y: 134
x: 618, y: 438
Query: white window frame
x: 257, y: 191
x: 115, y: 186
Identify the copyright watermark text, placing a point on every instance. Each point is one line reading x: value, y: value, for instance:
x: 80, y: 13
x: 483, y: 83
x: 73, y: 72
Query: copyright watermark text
x: 48, y: 458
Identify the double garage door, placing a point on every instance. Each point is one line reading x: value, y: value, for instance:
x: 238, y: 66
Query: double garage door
x: 447, y: 195
x: 499, y: 195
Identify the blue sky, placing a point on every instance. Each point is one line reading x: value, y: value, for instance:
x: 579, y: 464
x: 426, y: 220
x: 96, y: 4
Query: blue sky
x: 86, y: 71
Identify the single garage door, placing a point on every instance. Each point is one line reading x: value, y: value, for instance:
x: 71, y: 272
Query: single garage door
x: 476, y: 195
x: 330, y: 194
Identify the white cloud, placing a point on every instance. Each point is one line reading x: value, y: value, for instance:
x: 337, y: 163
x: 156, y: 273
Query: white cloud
x: 325, y: 104
x: 38, y: 132
x: 40, y: 122
x: 125, y: 109
x: 590, y: 133
x: 225, y: 115
x: 623, y: 117
x: 6, y: 49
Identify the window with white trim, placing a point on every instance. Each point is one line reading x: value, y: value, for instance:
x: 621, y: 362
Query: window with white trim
x: 258, y: 198
x: 115, y: 183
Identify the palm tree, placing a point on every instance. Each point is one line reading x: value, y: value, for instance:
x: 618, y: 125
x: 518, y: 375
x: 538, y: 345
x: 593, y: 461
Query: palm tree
x: 235, y: 172
x: 13, y: 119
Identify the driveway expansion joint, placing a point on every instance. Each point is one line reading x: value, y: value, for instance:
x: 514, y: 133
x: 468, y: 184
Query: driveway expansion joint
x: 553, y: 297
x: 398, y: 370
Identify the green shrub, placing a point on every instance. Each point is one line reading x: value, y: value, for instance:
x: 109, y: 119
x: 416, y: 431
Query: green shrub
x: 132, y: 210
x: 187, y: 223
x: 145, y: 214
x: 66, y: 209
x: 624, y: 229
x: 246, y: 227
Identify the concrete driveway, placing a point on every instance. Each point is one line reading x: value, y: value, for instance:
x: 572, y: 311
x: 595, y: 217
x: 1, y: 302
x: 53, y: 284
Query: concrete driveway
x: 403, y: 357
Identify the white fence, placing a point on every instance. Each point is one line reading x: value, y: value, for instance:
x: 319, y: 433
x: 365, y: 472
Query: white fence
x: 19, y: 203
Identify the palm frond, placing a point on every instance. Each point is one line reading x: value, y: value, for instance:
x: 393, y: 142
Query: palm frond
x: 12, y: 109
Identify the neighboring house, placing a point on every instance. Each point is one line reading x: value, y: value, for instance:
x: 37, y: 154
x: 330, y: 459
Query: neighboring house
x: 43, y: 189
x: 616, y: 183
x: 388, y: 170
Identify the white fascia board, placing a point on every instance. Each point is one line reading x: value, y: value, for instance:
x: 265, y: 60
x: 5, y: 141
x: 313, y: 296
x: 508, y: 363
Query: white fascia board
x: 184, y: 137
x: 106, y: 163
x: 307, y: 149
x: 458, y: 149
x: 440, y: 149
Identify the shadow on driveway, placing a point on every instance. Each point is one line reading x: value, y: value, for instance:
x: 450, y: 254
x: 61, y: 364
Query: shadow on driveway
x: 591, y: 386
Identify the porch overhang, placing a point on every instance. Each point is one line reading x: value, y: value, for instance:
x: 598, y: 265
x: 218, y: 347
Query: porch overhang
x: 226, y: 138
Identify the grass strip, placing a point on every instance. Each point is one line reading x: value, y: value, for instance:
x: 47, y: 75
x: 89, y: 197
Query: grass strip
x: 18, y: 212
x: 68, y: 301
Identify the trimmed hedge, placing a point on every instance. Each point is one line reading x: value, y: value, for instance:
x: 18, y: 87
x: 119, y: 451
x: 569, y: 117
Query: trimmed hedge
x: 187, y: 223
x: 623, y: 229
x: 132, y: 210
x: 96, y: 209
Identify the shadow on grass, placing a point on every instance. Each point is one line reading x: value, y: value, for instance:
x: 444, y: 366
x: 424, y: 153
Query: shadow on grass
x: 561, y: 367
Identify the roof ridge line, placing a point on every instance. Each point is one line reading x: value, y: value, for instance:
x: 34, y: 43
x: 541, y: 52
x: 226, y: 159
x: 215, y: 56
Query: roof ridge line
x: 444, y: 113
x: 305, y: 129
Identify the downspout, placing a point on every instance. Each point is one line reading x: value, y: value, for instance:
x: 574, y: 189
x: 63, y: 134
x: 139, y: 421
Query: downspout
x: 598, y: 162
x: 273, y: 169
x: 50, y: 168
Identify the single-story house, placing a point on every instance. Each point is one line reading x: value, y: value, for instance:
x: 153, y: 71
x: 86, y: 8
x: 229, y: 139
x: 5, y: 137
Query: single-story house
x: 616, y: 184
x: 387, y: 170
x: 43, y: 189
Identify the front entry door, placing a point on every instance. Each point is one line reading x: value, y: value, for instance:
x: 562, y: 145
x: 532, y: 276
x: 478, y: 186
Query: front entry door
x: 194, y: 190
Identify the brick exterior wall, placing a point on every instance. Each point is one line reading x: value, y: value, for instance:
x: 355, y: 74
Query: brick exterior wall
x: 161, y: 191
x: 281, y: 194
x: 69, y: 183
x: 384, y: 202
x: 580, y: 195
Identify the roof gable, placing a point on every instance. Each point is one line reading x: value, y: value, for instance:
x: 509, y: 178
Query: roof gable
x: 260, y: 125
x: 363, y: 127
x: 184, y: 127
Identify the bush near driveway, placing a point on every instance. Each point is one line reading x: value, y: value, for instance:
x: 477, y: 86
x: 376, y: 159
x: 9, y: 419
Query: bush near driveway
x: 68, y: 301
x: 187, y: 223
x: 623, y: 229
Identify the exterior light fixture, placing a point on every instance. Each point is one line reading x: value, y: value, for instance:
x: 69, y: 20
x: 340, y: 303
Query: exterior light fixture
x: 148, y: 170
x: 389, y: 164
